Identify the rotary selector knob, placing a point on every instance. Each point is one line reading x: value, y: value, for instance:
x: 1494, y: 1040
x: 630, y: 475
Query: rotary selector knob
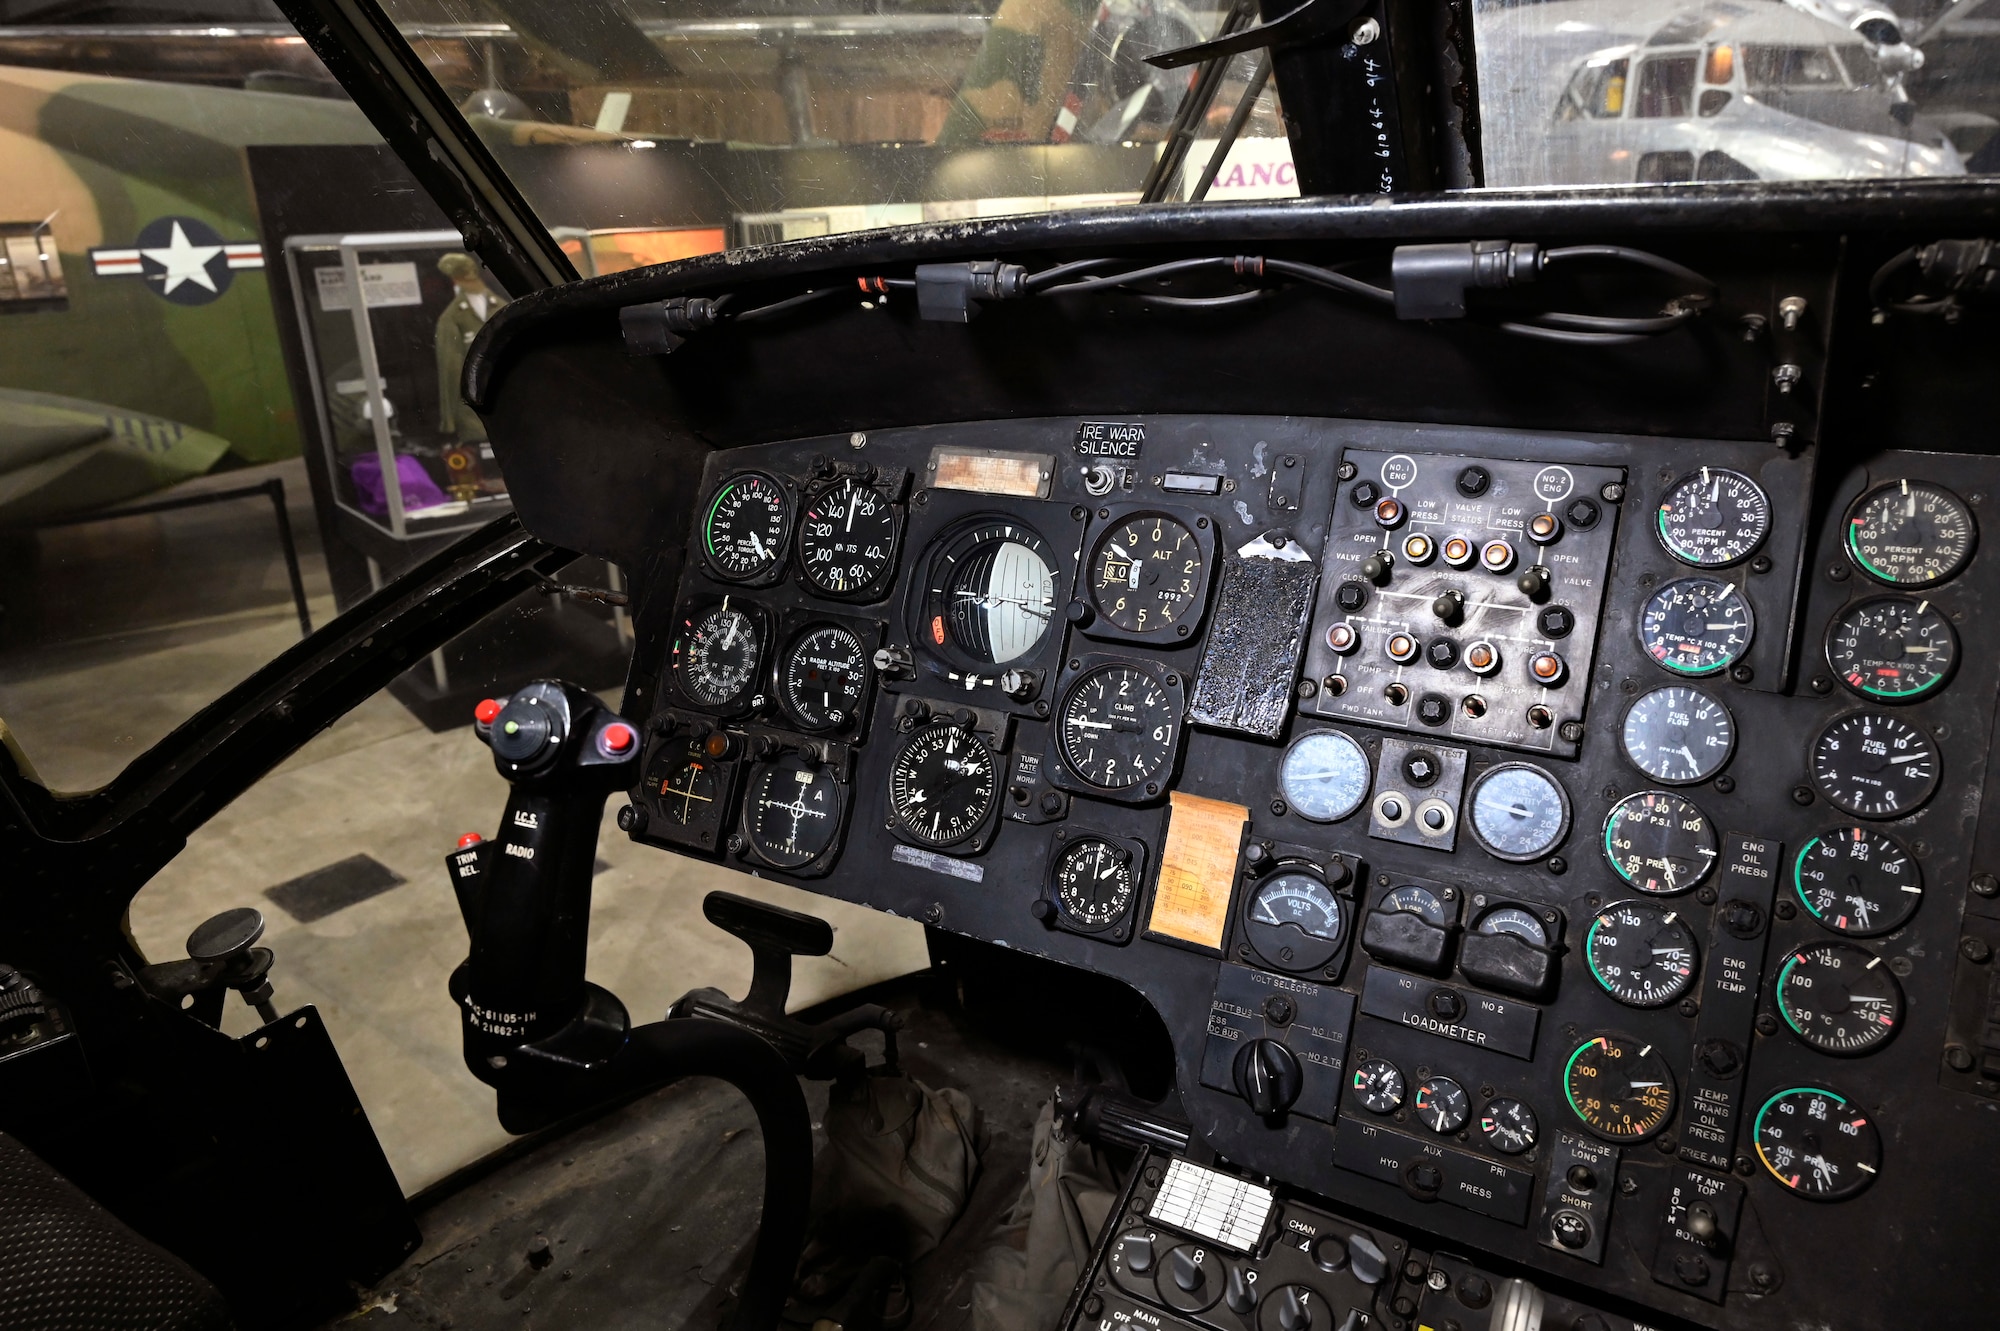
x: 1268, y: 1076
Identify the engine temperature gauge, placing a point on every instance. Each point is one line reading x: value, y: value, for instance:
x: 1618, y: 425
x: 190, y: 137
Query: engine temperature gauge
x: 1620, y: 1089
x: 1696, y: 626
x: 1714, y: 517
x: 1641, y: 952
x: 1895, y: 648
x: 1839, y: 998
x: 1817, y: 1143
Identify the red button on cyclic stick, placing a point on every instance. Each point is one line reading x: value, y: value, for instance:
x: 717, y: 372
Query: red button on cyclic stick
x: 487, y: 710
x: 617, y: 738
x: 470, y: 839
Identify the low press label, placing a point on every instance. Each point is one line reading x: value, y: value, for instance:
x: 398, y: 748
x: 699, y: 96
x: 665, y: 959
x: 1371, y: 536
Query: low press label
x: 1108, y: 439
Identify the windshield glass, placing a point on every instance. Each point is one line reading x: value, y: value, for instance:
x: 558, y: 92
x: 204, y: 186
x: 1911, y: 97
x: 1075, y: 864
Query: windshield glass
x: 653, y: 129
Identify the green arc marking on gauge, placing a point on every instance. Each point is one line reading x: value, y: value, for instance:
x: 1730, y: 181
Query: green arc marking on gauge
x: 1799, y: 878
x: 1757, y: 1127
x: 708, y: 523
x: 1590, y: 959
x: 1784, y: 1008
x: 1672, y: 545
x: 1862, y: 559
x: 1568, y: 1093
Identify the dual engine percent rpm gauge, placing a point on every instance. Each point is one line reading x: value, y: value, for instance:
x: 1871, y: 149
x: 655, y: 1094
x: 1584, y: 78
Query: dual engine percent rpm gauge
x: 743, y: 532
x: 1817, y: 1143
x: 1696, y: 626
x: 1910, y: 533
x: 1873, y: 765
x: 1713, y: 518
x: 1659, y: 842
x: 1518, y: 812
x: 1857, y: 882
x: 1678, y: 735
x: 1620, y: 1089
x: 1893, y: 648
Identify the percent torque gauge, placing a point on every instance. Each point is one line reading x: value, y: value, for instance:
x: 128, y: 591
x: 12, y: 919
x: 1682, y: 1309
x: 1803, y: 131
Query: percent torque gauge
x: 1324, y: 776
x: 1678, y: 735
x: 823, y: 677
x: 1713, y: 517
x: 942, y: 785
x: 1620, y: 1089
x: 1895, y: 648
x: 1696, y: 626
x: 743, y: 531
x: 1910, y: 533
x: 847, y: 539
x: 1858, y: 882
x: 1839, y: 998
x: 1518, y: 812
x: 1874, y: 765
x: 1817, y: 1143
x: 715, y: 655
x: 791, y: 812
x: 1659, y: 842
x: 1641, y: 952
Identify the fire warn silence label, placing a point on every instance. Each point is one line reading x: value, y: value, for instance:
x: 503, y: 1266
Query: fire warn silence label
x: 1107, y: 439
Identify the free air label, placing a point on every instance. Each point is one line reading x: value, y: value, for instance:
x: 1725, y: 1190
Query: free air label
x: 1108, y: 439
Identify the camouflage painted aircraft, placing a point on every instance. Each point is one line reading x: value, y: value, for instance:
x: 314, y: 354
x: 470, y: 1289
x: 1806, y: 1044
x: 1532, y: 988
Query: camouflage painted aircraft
x: 138, y: 342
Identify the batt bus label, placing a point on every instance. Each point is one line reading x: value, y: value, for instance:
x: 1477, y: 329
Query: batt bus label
x: 1107, y: 439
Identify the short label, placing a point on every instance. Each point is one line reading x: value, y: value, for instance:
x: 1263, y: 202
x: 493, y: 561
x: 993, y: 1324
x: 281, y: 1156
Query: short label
x: 936, y: 863
x: 1107, y: 439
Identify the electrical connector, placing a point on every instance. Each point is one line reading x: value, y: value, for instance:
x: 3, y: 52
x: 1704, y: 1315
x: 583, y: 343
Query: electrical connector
x: 658, y: 328
x: 1430, y: 281
x: 951, y: 292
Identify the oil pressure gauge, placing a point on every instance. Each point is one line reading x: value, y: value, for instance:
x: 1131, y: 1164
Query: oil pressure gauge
x: 1857, y: 881
x: 1659, y: 842
x: 1818, y: 1144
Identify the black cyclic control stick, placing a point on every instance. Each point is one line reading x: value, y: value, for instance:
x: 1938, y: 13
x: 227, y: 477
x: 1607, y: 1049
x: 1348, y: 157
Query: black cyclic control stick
x: 549, y: 1042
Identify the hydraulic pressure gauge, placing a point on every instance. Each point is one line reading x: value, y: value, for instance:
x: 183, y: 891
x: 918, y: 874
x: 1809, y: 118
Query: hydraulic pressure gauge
x: 743, y: 529
x: 1817, y: 1143
x: 1518, y: 812
x: 847, y: 539
x: 1642, y: 952
x: 1117, y: 726
x: 1508, y: 1125
x: 1378, y: 1085
x: 1093, y: 883
x: 1620, y: 1089
x: 1874, y: 765
x: 1148, y: 574
x: 989, y: 592
x: 1858, y: 882
x: 716, y: 652
x: 1910, y: 533
x: 1294, y: 921
x: 1324, y: 776
x: 942, y: 785
x: 1713, y: 517
x: 1696, y: 626
x: 1839, y: 998
x: 823, y: 677
x: 1892, y: 648
x: 1659, y: 842
x: 1442, y: 1105
x: 1678, y: 735
x: 791, y: 811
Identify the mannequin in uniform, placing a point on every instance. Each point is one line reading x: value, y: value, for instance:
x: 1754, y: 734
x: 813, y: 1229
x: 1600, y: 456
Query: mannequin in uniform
x: 472, y: 304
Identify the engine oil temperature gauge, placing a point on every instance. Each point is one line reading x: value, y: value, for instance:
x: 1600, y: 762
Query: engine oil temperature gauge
x: 1642, y: 952
x: 1839, y: 998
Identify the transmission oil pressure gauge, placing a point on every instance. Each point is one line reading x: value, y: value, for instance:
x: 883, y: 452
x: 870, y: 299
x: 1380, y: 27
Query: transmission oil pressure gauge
x: 1642, y: 952
x: 942, y: 785
x: 1696, y: 626
x: 743, y: 530
x: 1712, y: 518
x: 1839, y: 998
x: 1295, y: 921
x: 1659, y: 842
x: 716, y: 652
x: 823, y: 677
x: 1117, y: 727
x: 1873, y: 765
x: 1148, y: 574
x: 791, y: 812
x: 1817, y: 1143
x: 1910, y: 533
x: 989, y: 592
x: 1678, y: 735
x: 1518, y: 812
x: 1857, y: 882
x: 1093, y: 883
x: 1894, y: 648
x: 1620, y: 1089
x: 847, y: 539
x: 1324, y: 776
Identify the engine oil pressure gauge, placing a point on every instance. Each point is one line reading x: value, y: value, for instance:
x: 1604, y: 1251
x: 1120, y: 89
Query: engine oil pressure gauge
x: 1818, y: 1144
x: 1713, y: 517
x: 1659, y: 842
x: 1857, y: 881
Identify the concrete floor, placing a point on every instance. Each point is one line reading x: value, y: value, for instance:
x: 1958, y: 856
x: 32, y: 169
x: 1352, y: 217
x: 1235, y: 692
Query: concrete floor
x: 129, y: 627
